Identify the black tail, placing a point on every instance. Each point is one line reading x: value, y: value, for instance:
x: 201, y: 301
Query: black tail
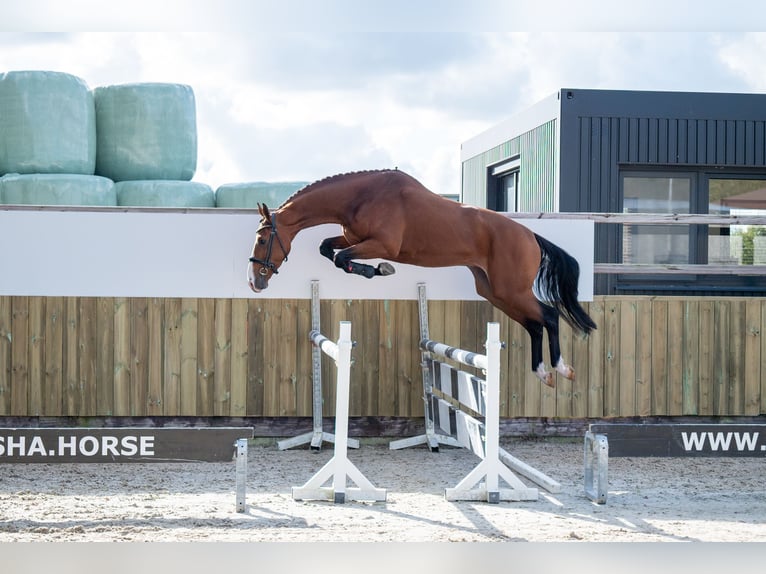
x: 557, y: 284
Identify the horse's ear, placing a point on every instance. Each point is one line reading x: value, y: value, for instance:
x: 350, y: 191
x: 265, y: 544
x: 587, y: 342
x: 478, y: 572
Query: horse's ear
x: 264, y: 211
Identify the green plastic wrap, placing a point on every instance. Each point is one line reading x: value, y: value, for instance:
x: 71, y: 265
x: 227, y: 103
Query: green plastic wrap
x: 47, y: 124
x: 164, y: 194
x: 57, y: 189
x: 251, y: 194
x: 146, y: 132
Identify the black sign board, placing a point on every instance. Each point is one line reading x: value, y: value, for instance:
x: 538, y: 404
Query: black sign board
x: 719, y: 440
x: 124, y: 444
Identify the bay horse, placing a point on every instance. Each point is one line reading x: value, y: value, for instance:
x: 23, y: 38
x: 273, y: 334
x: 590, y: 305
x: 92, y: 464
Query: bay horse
x: 387, y: 214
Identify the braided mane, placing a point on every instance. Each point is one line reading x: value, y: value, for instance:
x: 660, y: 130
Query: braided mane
x: 329, y: 179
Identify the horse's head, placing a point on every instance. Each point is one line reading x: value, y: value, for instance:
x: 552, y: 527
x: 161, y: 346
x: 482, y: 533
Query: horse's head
x: 266, y: 258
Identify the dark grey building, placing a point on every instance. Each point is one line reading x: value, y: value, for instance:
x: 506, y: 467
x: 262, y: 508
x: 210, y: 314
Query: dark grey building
x: 644, y: 152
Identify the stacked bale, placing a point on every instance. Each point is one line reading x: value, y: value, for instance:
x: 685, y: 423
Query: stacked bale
x: 48, y: 126
x: 249, y: 195
x: 57, y: 189
x: 147, y: 143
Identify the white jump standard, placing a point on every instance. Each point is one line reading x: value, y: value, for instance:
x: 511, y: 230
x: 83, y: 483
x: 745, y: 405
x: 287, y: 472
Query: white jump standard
x: 339, y: 468
x: 450, y: 425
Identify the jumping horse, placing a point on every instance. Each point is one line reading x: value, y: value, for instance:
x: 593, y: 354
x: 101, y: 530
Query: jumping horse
x: 389, y: 215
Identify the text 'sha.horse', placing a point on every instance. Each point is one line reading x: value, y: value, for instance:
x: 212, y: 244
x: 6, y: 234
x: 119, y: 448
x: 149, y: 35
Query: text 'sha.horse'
x: 389, y: 215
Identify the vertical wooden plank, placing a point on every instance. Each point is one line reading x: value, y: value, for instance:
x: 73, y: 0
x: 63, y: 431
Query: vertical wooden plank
x: 239, y: 357
x: 721, y: 357
x: 414, y: 371
x: 752, y: 357
x: 36, y: 355
x: 272, y: 319
x: 255, y: 360
x: 612, y: 358
x: 122, y: 367
x: 644, y: 357
x: 171, y: 364
x: 355, y: 315
x: 660, y: 357
x: 706, y: 345
x: 518, y: 368
x: 627, y: 358
x: 675, y: 356
x: 54, y: 356
x: 596, y: 359
x: 72, y: 390
x: 287, y: 344
x: 331, y: 315
x: 205, y: 356
x: 366, y: 375
x: 88, y: 356
x: 408, y: 383
x: 564, y: 387
x: 436, y: 319
x: 139, y: 356
x: 154, y: 368
x: 188, y: 391
x: 19, y: 356
x: 736, y: 358
x: 763, y: 358
x: 105, y: 356
x: 502, y: 320
x: 387, y: 359
x: 6, y: 346
x: 222, y: 362
x: 690, y: 376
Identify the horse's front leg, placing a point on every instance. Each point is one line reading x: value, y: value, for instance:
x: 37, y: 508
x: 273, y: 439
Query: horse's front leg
x: 329, y: 246
x: 367, y: 249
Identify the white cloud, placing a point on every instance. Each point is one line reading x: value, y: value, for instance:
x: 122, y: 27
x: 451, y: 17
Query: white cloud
x: 745, y: 55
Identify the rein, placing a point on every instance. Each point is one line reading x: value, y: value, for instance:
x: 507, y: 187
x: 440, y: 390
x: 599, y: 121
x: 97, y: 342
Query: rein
x: 267, y: 263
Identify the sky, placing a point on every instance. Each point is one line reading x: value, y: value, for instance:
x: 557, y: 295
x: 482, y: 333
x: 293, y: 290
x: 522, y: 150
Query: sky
x: 296, y: 90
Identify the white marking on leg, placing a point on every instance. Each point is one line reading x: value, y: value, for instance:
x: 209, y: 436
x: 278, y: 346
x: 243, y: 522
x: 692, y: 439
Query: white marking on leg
x: 564, y: 369
x: 541, y: 373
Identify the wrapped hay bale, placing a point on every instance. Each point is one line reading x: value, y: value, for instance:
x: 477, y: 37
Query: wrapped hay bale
x: 146, y: 131
x: 251, y: 194
x: 47, y: 124
x: 161, y: 193
x: 57, y: 189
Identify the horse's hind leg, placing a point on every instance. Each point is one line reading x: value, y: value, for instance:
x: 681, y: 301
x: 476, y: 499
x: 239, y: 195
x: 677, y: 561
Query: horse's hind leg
x: 551, y: 322
x: 533, y: 327
x: 535, y: 330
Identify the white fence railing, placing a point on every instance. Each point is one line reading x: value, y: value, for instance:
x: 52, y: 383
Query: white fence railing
x: 663, y: 219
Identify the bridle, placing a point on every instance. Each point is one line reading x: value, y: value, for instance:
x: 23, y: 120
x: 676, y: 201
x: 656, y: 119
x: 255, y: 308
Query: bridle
x: 267, y: 263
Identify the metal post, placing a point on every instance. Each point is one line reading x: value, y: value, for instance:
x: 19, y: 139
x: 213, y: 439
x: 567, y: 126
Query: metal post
x: 317, y: 435
x: 241, y: 455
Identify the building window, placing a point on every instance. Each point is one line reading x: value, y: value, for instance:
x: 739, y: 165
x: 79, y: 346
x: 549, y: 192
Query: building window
x: 736, y: 244
x: 660, y: 244
x: 503, y: 186
x: 681, y: 193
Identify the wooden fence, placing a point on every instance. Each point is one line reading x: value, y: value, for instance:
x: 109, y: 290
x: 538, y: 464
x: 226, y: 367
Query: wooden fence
x: 650, y: 356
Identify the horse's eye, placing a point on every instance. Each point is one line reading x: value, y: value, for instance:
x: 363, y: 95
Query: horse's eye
x: 261, y: 242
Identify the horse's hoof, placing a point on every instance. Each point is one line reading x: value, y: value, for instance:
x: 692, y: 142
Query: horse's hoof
x: 549, y: 381
x: 386, y: 269
x: 565, y: 370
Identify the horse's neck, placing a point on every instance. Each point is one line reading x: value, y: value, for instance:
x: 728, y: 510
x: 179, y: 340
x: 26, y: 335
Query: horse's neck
x: 309, y: 210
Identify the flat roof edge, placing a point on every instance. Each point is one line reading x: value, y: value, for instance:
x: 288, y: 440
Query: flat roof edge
x: 538, y: 114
